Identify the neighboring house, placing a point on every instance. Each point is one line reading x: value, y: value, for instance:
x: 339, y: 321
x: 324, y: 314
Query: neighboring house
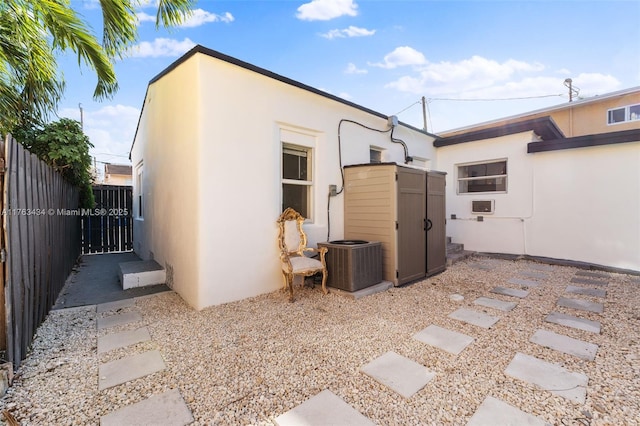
x: 521, y: 187
x: 118, y: 174
x: 611, y: 112
x: 222, y: 146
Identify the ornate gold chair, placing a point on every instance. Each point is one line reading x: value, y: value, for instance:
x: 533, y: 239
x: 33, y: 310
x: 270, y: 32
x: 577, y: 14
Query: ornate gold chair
x: 293, y: 244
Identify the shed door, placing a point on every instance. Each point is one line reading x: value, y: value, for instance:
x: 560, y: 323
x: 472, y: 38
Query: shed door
x: 436, y: 223
x: 411, y: 249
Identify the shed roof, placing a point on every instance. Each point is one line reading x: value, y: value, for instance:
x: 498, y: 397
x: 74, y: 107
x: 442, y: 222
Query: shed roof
x: 118, y: 169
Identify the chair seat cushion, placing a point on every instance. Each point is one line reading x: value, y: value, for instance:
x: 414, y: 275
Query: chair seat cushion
x: 303, y: 264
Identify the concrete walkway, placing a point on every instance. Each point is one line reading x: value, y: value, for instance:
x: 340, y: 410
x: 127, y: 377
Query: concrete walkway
x: 97, y: 281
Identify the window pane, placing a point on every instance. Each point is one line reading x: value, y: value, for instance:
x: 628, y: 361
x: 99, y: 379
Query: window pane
x: 634, y: 112
x: 296, y: 197
x: 483, y: 185
x: 375, y: 156
x: 499, y: 168
x: 294, y: 165
x: 616, y: 116
x: 485, y: 169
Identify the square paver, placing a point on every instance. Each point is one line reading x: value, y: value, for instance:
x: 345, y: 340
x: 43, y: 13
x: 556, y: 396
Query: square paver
x: 493, y: 411
x: 130, y: 368
x: 399, y: 373
x: 325, y: 408
x: 540, y: 275
x: 113, y: 306
x: 474, y: 317
x: 118, y: 319
x: 513, y: 292
x: 501, y: 305
x: 573, y: 322
x: 541, y: 267
x: 482, y: 266
x: 442, y: 338
x: 550, y: 377
x: 593, y: 274
x: 565, y: 344
x: 585, y: 291
x: 167, y: 408
x: 580, y: 280
x: 523, y: 283
x: 122, y: 340
x: 581, y: 304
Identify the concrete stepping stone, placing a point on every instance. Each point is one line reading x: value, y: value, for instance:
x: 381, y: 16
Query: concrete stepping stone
x: 118, y: 319
x: 573, y: 322
x: 541, y: 267
x: 581, y: 304
x: 594, y: 292
x: 521, y: 294
x: 400, y: 374
x: 167, y: 408
x: 593, y: 274
x: 325, y: 408
x: 495, y: 303
x: 442, y: 338
x: 474, y: 317
x: 130, y: 368
x: 535, y: 274
x: 122, y: 340
x: 565, y: 344
x: 578, y: 280
x: 482, y: 266
x: 495, y: 412
x: 523, y: 283
x: 550, y: 377
x: 114, y: 306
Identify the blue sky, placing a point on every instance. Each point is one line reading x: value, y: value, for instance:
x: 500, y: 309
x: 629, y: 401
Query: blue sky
x: 469, y: 59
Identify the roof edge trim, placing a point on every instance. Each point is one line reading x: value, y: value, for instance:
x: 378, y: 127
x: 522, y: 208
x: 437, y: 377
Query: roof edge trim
x: 599, y: 139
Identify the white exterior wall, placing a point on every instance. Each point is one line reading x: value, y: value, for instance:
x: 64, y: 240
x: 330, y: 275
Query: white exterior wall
x: 577, y: 204
x: 233, y: 119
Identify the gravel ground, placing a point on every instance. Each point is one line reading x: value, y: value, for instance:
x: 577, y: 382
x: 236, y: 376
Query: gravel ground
x: 248, y: 362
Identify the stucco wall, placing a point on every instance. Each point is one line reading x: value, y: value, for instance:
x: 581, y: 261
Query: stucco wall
x: 212, y: 132
x: 167, y: 145
x: 577, y: 204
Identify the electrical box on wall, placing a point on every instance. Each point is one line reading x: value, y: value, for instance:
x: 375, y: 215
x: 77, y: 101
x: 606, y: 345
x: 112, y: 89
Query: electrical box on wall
x: 482, y: 206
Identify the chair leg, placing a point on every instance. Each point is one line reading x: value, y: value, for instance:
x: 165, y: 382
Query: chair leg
x: 324, y: 281
x: 290, y: 281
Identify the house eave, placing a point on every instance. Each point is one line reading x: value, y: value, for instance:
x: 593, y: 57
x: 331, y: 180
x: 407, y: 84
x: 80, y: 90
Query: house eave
x: 544, y: 127
x: 624, y: 136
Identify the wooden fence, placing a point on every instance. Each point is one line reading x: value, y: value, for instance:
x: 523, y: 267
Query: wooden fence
x: 108, y: 228
x: 40, y: 244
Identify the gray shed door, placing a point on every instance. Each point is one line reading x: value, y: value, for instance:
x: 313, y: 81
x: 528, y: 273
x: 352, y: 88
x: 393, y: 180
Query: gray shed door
x: 436, y: 223
x: 411, y: 225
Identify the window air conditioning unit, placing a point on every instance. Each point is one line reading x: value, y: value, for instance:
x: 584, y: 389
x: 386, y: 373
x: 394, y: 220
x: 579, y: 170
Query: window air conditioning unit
x: 482, y: 206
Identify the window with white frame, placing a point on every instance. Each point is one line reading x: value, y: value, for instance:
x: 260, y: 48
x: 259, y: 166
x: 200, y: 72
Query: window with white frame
x: 140, y: 192
x: 297, y: 178
x: 623, y: 114
x: 487, y: 176
x: 375, y: 155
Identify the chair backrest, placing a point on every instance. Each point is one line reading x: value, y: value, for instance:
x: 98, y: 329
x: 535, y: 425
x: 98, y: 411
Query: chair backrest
x: 292, y: 238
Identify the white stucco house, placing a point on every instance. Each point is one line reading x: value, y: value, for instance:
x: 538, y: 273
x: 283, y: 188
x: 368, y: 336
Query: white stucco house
x: 523, y: 188
x: 222, y: 146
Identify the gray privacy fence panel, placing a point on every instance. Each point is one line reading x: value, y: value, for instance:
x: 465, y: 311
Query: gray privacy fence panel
x: 108, y: 227
x: 41, y: 242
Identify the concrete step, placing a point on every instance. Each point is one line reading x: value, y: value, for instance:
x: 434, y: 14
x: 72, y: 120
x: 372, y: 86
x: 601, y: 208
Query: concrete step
x: 141, y: 273
x: 457, y: 257
x: 454, y: 248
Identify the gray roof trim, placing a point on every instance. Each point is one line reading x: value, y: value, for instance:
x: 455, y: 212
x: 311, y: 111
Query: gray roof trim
x: 544, y: 127
x: 611, y: 138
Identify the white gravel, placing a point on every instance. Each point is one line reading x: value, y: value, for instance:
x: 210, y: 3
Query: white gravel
x: 248, y: 362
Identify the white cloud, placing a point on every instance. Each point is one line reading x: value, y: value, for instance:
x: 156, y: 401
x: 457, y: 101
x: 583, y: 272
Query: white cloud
x: 349, y: 32
x: 353, y: 69
x: 591, y: 84
x: 160, y: 47
x: 200, y: 17
x: 324, y: 10
x: 145, y: 17
x: 401, y: 56
x: 110, y: 129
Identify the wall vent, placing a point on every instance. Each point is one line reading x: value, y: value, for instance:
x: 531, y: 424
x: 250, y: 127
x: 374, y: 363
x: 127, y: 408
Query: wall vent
x: 482, y: 206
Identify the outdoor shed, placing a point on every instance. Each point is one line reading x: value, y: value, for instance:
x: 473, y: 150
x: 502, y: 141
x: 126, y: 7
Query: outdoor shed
x: 222, y: 147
